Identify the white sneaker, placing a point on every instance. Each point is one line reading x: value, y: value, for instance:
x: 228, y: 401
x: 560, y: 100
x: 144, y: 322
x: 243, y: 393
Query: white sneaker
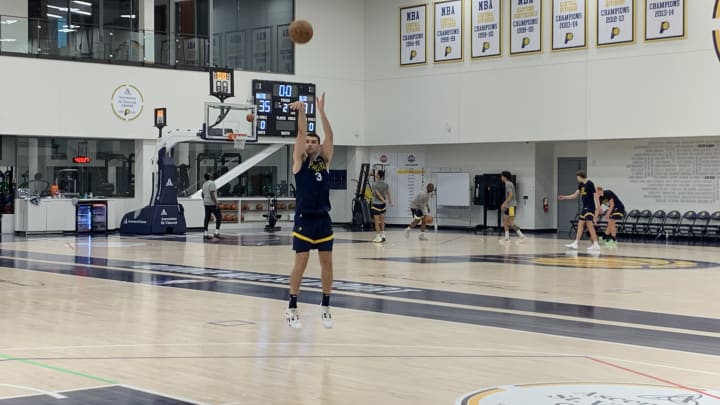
x: 293, y: 318
x: 407, y: 233
x: 594, y: 247
x: 503, y: 241
x: 327, y: 318
x: 522, y: 238
x: 422, y: 236
x: 382, y: 236
x: 378, y: 239
x: 572, y: 245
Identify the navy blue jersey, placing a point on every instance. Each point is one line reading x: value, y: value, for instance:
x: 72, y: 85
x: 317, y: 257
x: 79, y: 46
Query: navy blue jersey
x: 609, y: 195
x: 587, y: 193
x: 312, y: 196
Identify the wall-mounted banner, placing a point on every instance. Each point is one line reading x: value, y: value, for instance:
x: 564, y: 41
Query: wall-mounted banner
x: 448, y: 31
x: 569, y: 24
x: 615, y: 22
x: 413, y: 35
x: 261, y: 49
x: 664, y: 19
x: 284, y: 49
x: 525, y: 26
x: 236, y: 49
x: 486, y: 35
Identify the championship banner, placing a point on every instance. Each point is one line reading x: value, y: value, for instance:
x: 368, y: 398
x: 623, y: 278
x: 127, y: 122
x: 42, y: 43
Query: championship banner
x: 569, y: 24
x: 261, y: 49
x: 285, y: 51
x: 413, y: 41
x: 664, y: 19
x: 615, y: 22
x: 486, y: 37
x: 448, y: 31
x: 525, y: 26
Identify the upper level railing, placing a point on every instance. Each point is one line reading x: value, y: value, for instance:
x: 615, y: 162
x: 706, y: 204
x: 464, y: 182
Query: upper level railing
x: 54, y: 38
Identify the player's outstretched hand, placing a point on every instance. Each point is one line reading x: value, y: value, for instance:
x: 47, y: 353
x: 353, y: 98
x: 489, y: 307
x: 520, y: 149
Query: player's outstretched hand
x: 297, y: 106
x: 320, y: 101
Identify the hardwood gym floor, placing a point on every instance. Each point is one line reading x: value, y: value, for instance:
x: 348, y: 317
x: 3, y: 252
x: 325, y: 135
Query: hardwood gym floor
x: 174, y: 320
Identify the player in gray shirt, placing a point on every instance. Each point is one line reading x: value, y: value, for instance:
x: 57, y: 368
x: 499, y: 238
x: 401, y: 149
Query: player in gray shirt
x: 209, y: 195
x: 509, y: 208
x: 381, y: 199
x: 420, y: 208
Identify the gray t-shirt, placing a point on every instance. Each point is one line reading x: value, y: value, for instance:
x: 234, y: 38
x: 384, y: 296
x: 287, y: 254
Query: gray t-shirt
x: 380, y: 187
x: 510, y: 188
x: 421, y: 202
x: 207, y: 187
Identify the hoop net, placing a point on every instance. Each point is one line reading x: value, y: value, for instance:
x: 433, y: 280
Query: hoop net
x: 238, y: 140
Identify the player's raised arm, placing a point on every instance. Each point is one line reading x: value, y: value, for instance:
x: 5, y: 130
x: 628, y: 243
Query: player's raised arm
x: 328, y: 146
x: 300, y: 142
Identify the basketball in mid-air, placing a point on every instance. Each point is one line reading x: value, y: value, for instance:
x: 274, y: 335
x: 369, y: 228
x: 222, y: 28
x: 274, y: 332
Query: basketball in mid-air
x: 300, y: 31
x: 250, y: 117
x: 428, y: 219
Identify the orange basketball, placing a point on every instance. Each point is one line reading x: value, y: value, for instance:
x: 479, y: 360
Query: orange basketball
x: 428, y: 219
x: 281, y: 206
x: 245, y: 206
x: 233, y: 206
x: 300, y: 31
x: 259, y: 206
x: 250, y: 117
x: 291, y: 205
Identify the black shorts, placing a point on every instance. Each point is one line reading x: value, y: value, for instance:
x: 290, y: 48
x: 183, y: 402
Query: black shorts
x: 587, y: 214
x: 377, y: 209
x: 417, y: 214
x: 617, y: 214
x: 312, y: 232
x: 510, y: 211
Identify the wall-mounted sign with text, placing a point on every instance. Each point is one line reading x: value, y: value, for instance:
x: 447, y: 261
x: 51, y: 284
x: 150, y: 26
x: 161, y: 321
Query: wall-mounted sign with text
x: 127, y: 102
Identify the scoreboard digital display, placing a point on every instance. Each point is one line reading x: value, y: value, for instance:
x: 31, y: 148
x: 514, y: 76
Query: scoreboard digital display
x: 274, y: 116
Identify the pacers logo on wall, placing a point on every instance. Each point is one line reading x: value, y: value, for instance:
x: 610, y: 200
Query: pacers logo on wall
x: 127, y: 102
x: 716, y: 33
x: 588, y: 394
x: 383, y: 159
x: 411, y: 158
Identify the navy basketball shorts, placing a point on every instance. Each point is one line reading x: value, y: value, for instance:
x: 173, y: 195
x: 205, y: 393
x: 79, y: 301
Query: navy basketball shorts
x: 312, y: 232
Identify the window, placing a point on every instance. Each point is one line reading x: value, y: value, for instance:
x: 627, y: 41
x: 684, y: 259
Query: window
x: 79, y: 167
x: 194, y: 160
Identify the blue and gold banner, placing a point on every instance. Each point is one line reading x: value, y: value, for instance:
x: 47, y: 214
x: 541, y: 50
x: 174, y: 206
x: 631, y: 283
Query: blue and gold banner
x: 569, y: 24
x: 525, y: 26
x: 448, y: 31
x: 413, y: 35
x: 664, y: 19
x: 615, y: 22
x: 486, y: 36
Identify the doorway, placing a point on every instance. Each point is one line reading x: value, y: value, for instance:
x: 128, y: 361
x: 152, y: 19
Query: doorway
x: 567, y: 184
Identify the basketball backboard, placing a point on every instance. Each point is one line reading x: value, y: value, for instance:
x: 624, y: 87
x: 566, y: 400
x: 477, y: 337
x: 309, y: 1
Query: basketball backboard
x: 222, y: 120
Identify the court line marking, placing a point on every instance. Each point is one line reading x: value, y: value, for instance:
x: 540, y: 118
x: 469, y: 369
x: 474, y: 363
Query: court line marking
x: 652, y: 377
x: 319, y: 356
x: 55, y: 368
x: 132, y: 387
x: 55, y: 395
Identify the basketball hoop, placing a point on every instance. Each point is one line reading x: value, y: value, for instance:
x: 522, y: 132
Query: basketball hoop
x: 238, y: 140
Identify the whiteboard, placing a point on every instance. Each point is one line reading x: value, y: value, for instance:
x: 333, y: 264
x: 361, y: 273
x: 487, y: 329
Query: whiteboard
x: 453, y: 189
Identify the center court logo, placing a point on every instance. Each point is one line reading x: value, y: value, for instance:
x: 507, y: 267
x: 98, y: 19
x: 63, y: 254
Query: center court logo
x: 588, y: 394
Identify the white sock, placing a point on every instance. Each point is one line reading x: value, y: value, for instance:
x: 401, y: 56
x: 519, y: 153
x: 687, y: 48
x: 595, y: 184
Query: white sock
x: 519, y: 232
x: 507, y: 234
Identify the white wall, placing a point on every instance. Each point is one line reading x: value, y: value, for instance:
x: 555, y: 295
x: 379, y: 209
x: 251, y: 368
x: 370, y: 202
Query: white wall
x: 664, y: 89
x: 519, y: 158
x: 668, y: 174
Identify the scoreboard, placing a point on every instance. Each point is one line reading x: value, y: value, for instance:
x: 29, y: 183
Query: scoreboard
x: 274, y: 116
